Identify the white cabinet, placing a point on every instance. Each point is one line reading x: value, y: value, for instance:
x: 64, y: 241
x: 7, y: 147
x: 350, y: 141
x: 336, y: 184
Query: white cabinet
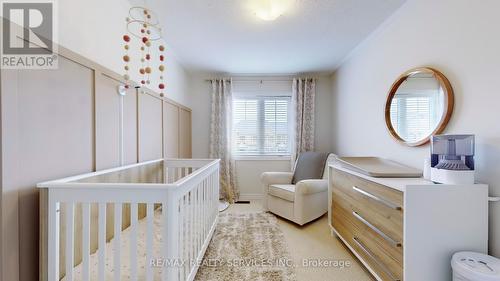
x: 406, y: 228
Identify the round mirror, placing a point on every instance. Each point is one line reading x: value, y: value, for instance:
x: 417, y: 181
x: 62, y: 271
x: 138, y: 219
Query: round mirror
x: 419, y: 105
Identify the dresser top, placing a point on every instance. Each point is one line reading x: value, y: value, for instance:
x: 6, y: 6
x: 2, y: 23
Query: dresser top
x: 395, y: 183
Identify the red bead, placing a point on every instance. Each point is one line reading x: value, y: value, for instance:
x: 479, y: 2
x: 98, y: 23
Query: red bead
x: 144, y: 39
x: 126, y: 38
x: 126, y: 86
x: 142, y: 31
x: 148, y: 56
x: 143, y: 82
x: 161, y: 57
x: 161, y: 86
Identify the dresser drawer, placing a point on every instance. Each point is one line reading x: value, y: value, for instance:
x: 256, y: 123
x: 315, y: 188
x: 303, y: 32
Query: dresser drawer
x: 386, y: 260
x: 377, y: 207
x: 369, y: 217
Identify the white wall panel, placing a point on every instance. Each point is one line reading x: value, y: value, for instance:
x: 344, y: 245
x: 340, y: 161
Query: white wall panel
x: 150, y: 127
x: 456, y: 37
x: 55, y: 139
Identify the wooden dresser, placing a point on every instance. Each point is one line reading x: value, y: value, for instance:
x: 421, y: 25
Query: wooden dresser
x: 406, y: 228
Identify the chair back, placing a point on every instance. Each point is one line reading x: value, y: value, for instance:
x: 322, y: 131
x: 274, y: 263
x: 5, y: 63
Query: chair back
x: 330, y: 160
x: 307, y: 164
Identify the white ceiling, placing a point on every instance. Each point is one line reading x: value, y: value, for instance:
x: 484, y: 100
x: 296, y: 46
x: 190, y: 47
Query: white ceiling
x: 225, y: 36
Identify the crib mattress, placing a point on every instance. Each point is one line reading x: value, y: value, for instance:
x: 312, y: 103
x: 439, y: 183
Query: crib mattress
x: 125, y: 254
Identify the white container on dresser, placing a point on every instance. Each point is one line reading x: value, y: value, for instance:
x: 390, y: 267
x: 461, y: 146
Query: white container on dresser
x: 406, y: 228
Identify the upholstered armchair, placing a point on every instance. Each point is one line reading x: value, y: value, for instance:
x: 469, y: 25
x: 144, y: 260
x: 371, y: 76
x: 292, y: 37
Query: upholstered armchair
x: 288, y: 195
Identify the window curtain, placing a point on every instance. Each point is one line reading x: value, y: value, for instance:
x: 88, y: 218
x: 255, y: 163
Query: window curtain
x: 221, y: 137
x: 303, y: 102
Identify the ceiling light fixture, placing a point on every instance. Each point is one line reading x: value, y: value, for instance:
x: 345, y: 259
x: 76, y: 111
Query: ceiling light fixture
x: 270, y: 10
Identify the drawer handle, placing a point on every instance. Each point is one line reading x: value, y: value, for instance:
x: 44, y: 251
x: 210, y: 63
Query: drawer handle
x: 378, y: 199
x: 393, y: 242
x: 372, y: 256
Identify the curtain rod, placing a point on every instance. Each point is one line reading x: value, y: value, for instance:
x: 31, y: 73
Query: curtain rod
x: 261, y: 80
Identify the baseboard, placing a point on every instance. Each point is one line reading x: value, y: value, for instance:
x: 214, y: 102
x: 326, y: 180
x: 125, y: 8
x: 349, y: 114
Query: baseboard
x: 250, y: 196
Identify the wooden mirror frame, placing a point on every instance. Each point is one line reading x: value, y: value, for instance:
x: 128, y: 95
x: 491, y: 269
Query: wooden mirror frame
x: 449, y: 101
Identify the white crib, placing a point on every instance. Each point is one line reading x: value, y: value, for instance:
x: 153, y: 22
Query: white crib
x: 147, y: 221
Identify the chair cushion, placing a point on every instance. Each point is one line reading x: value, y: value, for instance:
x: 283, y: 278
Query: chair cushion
x: 310, y: 165
x: 330, y: 160
x: 283, y: 191
x: 306, y: 187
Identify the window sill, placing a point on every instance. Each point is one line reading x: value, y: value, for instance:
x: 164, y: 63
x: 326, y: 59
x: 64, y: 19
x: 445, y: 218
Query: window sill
x: 263, y: 158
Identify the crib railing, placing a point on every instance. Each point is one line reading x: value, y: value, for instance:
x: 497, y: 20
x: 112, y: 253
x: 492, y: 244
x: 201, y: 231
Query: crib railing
x: 79, y: 215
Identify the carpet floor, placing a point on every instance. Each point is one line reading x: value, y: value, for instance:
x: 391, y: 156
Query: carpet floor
x: 313, y: 242
x: 247, y: 246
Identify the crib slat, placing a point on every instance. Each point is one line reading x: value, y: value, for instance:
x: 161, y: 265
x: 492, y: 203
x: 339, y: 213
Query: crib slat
x: 70, y: 234
x: 202, y: 214
x: 210, y: 198
x: 85, y: 241
x: 214, y: 208
x: 165, y: 236
x: 117, y: 240
x: 102, y: 241
x: 191, y: 226
x: 170, y: 216
x: 205, y: 211
x: 133, y: 241
x: 149, y: 241
x: 187, y: 231
x: 183, y: 238
x: 198, y: 219
x: 215, y: 196
x: 53, y: 239
x: 206, y: 203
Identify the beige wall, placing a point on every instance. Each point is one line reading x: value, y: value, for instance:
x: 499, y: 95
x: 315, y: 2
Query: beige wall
x: 458, y: 37
x: 248, y: 171
x: 66, y: 122
x: 94, y: 29
x: 248, y: 175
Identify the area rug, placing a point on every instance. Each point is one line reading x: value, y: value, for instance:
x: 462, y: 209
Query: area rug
x: 247, y: 247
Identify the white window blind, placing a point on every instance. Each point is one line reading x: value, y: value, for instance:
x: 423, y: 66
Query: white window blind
x: 261, y: 125
x: 413, y: 117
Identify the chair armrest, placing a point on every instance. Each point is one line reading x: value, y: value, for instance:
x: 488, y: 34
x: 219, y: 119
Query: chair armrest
x: 311, y: 186
x: 268, y: 178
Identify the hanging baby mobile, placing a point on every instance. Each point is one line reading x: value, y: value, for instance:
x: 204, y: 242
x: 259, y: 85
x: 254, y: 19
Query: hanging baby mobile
x: 143, y: 25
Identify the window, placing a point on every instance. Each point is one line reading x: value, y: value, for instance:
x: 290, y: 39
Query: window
x: 261, y: 126
x: 414, y: 116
